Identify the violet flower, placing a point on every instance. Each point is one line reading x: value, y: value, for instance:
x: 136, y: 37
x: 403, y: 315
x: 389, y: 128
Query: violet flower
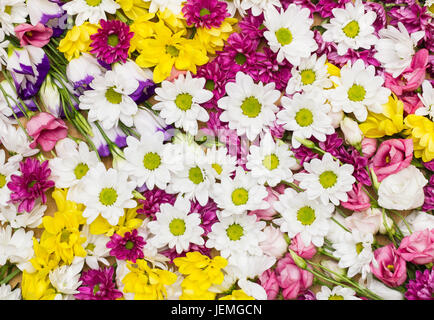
x: 422, y: 287
x: 428, y: 190
x: 154, y: 198
x: 208, y: 214
x: 205, y: 13
x: 325, y: 7
x: 129, y: 247
x: 98, y: 285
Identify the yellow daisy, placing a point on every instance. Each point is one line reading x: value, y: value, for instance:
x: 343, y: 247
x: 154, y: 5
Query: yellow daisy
x: 77, y: 40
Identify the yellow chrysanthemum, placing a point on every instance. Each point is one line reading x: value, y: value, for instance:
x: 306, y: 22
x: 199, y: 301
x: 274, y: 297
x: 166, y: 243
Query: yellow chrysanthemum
x: 333, y: 70
x: 143, y: 28
x: 77, y: 40
x: 147, y: 283
x: 36, y: 286
x: 67, y: 206
x: 191, y: 290
x: 43, y: 261
x: 134, y: 9
x: 214, y: 39
x: 237, y: 295
x: 389, y: 122
x: 127, y: 223
x: 421, y: 130
x: 176, y: 22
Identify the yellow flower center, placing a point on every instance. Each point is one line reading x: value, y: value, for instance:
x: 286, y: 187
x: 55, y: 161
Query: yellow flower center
x: 2, y: 180
x: 391, y: 267
x: 93, y: 3
x: 64, y: 236
x: 151, y: 161
x: 306, y: 215
x: 235, y: 232
x: 184, y: 101
x: 81, y: 170
x: 251, y: 107
x: 218, y: 168
x: 283, y: 36
x: 240, y: 58
x: 307, y: 76
x: 356, y: 93
x: 177, y: 227
x: 113, y: 40
x: 304, y: 117
x: 271, y: 162
x: 112, y: 96
x: 8, y: 9
x: 195, y: 175
x: 172, y: 50
x: 240, y: 196
x: 90, y: 247
x: 328, y: 179
x: 336, y: 297
x: 108, y: 196
x: 359, y: 247
x: 352, y: 29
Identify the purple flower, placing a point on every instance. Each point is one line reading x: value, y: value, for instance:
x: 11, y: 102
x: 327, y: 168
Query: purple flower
x: 308, y: 295
x: 128, y: 247
x: 31, y: 184
x: 413, y: 17
x: 302, y: 3
x: 380, y: 21
x: 359, y: 163
x: 428, y: 190
x: 352, y: 55
x: 112, y: 41
x: 325, y: 7
x: 154, y: 198
x: 304, y: 154
x: 208, y: 214
x: 422, y: 287
x: 205, y: 13
x: 252, y: 26
x: 429, y: 165
x: 98, y: 285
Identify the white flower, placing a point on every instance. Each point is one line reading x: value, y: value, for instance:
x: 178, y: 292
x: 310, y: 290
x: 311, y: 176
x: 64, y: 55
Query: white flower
x: 326, y: 179
x: 351, y: 27
x: 236, y: 196
x: 109, y: 101
x: 236, y: 235
x: 395, y: 48
x: 16, y: 248
x: 8, y: 105
x: 249, y: 107
x: 306, y: 116
x: 274, y: 244
x: 402, y: 190
x: 337, y: 293
x: 3, y: 45
x: 6, y: 293
x: 7, y: 169
x: 14, y: 139
x: 336, y: 232
x: 180, y: 102
x: 270, y: 162
x: 176, y: 227
x: 82, y: 70
x: 289, y: 33
x: 382, y: 290
x: 352, y: 133
x: 222, y: 164
x: 96, y: 249
x: 367, y: 221
x: 358, y: 89
x: 33, y: 219
x: 417, y: 221
x: 259, y: 6
x: 161, y: 5
x: 310, y: 218
x: 146, y: 122
x: 427, y: 98
x: 105, y: 192
x: 66, y: 278
x: 90, y: 10
x: 234, y: 6
x: 12, y: 12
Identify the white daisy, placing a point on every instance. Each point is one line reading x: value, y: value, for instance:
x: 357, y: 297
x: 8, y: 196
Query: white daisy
x: 176, y: 227
x: 96, y: 249
x: 351, y: 27
x: 259, y: 6
x: 248, y: 107
x: 90, y: 10
x: 15, y: 247
x: 236, y: 235
x: 310, y: 73
x: 3, y: 45
x: 14, y: 139
x: 222, y: 164
x: 7, y: 168
x: 8, y: 103
x: 6, y: 292
x: 33, y: 219
x: 66, y: 278
x: 310, y: 218
x: 427, y: 98
x: 12, y: 12
x: 306, y: 115
x: 289, y: 33
x: 109, y: 101
x: 337, y: 293
x: 180, y: 102
x: 236, y: 196
x: 234, y: 6
x: 326, y: 179
x: 161, y: 5
x: 270, y: 162
x: 358, y: 89
x: 105, y: 192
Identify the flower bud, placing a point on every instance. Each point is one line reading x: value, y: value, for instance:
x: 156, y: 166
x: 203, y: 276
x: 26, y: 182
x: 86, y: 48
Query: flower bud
x: 336, y: 118
x: 299, y: 261
x: 50, y: 97
x: 350, y: 128
x: 386, y: 224
x: 307, y: 143
x: 333, y: 266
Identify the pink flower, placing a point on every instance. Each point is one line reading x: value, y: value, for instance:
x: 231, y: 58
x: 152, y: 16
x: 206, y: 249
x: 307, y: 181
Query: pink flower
x: 391, y: 267
x: 392, y: 156
x: 369, y: 146
x: 368, y: 221
x: 275, y: 244
x: 268, y: 281
x: 37, y: 36
x: 297, y: 245
x: 46, y: 130
x: 267, y: 214
x: 174, y: 74
x: 358, y: 200
x: 418, y: 247
x: 411, y: 102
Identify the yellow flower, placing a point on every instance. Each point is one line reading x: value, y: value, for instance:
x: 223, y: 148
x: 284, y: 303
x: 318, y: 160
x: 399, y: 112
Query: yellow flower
x: 237, y: 295
x: 143, y: 29
x: 127, y: 223
x: 43, y: 261
x: 134, y: 9
x: 214, y: 39
x: 389, y: 122
x: 67, y: 206
x: 421, y: 130
x: 191, y: 290
x: 176, y: 22
x: 147, y: 283
x: 77, y: 40
x: 36, y: 286
x: 333, y: 70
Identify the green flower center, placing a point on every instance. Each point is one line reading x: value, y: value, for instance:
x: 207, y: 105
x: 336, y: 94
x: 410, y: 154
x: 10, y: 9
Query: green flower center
x: 90, y: 247
x: 356, y: 93
x: 93, y: 3
x: 306, y: 215
x: 308, y: 76
x: 251, y: 107
x: 218, y: 168
x: 129, y: 245
x: 240, y: 58
x: 210, y: 85
x: 271, y: 162
x: 112, y: 96
x: 2, y: 180
x: 328, y: 179
x: 235, y: 232
x: 64, y: 236
x: 336, y: 297
x: 304, y: 117
x: 183, y: 101
x: 172, y: 50
x: 359, y: 247
x: 151, y: 161
x: 108, y: 196
x: 8, y: 9
x: 284, y: 36
x: 431, y: 8
x: 204, y: 12
x: 195, y: 175
x: 240, y: 196
x: 177, y: 227
x: 352, y: 29
x: 80, y: 170
x: 32, y: 183
x: 96, y: 288
x: 113, y: 40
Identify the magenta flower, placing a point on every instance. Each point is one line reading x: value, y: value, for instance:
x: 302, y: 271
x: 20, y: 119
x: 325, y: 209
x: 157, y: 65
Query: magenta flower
x: 31, y: 184
x: 205, y: 13
x: 46, y: 130
x: 129, y: 247
x: 268, y: 281
x: 208, y: 214
x: 391, y: 267
x: 358, y: 200
x: 428, y: 190
x: 38, y: 35
x: 112, y: 41
x: 418, y: 248
x: 422, y: 287
x: 325, y: 7
x: 252, y: 26
x: 98, y: 285
x: 154, y: 198
x: 413, y: 17
x: 297, y: 245
x: 267, y: 69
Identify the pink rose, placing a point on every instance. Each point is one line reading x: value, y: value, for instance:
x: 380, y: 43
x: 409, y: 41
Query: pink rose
x: 268, y: 281
x: 358, y: 200
x: 267, y: 214
x: 46, y: 130
x: 37, y: 36
x: 391, y: 269
x: 275, y: 244
x: 369, y: 146
x: 418, y: 247
x: 293, y: 280
x: 392, y: 156
x: 297, y: 245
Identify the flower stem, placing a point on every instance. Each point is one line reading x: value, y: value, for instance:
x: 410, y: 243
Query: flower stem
x: 10, y: 276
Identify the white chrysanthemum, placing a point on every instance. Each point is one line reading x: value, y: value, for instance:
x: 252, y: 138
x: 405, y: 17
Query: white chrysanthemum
x: 96, y: 249
x: 337, y: 293
x: 427, y: 98
x: 161, y: 5
x: 6, y: 293
x: 417, y: 221
x: 105, y: 192
x: 33, y: 219
x: 288, y: 33
x: 270, y: 162
x: 355, y: 253
x: 109, y: 101
x: 306, y: 115
x: 259, y: 6
x: 3, y: 45
x: 326, y: 179
x: 234, y: 6
x: 66, y: 278
x: 8, y: 103
x: 236, y: 196
x: 12, y: 12
x: 249, y: 108
x: 358, y: 91
x: 180, y: 102
x: 351, y: 27
x: 336, y: 232
x: 7, y: 168
x: 17, y: 248
x: 222, y: 164
x: 176, y: 227
x: 310, y: 218
x: 14, y: 139
x: 310, y: 74
x: 236, y: 235
x: 90, y: 10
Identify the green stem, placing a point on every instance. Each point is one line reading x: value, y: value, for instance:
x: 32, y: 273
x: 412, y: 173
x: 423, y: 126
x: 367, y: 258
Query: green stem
x: 339, y: 224
x: 10, y: 276
x: 3, y: 269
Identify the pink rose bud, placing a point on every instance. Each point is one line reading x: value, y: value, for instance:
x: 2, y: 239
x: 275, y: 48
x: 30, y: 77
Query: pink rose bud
x: 369, y: 146
x: 275, y: 244
x: 268, y: 281
x: 391, y: 267
x: 46, y: 130
x: 358, y: 200
x: 418, y: 247
x: 297, y: 245
x: 267, y: 214
x: 37, y: 36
